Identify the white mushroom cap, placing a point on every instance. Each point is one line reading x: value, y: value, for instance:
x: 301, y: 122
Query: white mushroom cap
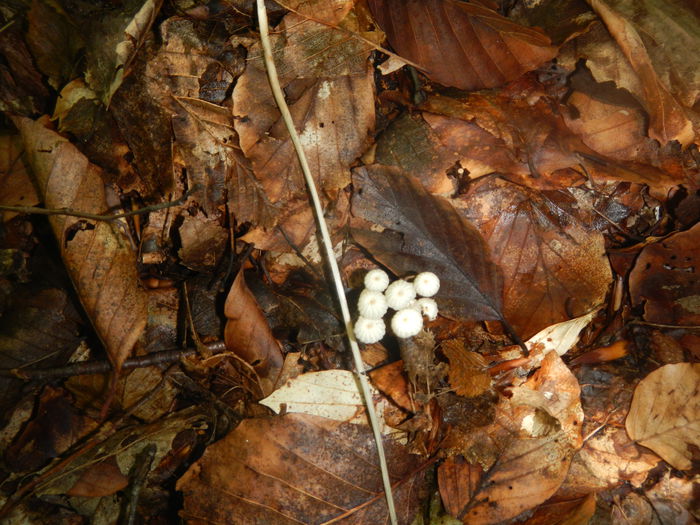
x: 399, y: 294
x: 427, y: 284
x: 369, y: 331
x: 407, y: 322
x: 372, y: 305
x: 428, y: 307
x: 376, y: 280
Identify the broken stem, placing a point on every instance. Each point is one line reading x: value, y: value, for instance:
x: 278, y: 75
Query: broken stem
x: 328, y: 245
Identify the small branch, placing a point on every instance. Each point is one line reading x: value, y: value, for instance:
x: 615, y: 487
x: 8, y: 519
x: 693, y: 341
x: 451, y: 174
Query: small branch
x: 34, y: 210
x: 101, y: 367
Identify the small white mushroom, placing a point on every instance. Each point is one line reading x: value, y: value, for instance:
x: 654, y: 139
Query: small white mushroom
x: 372, y: 304
x: 428, y: 307
x: 406, y: 323
x: 426, y: 284
x: 369, y: 331
x: 399, y: 294
x: 376, y: 280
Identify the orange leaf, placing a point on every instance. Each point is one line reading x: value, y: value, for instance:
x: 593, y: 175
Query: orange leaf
x: 248, y: 334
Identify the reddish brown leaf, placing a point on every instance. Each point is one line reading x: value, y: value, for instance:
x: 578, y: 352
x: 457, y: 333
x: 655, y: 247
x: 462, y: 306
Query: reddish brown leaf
x: 16, y: 188
x: 97, y: 254
x: 467, y: 46
x: 554, y: 267
x: 458, y: 480
x: 468, y: 372
x: 101, y: 479
x: 665, y: 280
x: 298, y: 469
x: 248, y: 334
x: 425, y: 233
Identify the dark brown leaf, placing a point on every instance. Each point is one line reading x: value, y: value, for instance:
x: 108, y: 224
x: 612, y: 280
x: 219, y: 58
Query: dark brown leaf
x: 248, y: 334
x: 462, y: 45
x: 425, y: 233
x: 298, y: 469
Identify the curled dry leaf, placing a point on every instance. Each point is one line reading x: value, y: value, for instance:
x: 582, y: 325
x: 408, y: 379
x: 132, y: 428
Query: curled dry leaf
x: 554, y: 267
x: 468, y: 371
x: 665, y: 279
x: 299, y: 469
x: 464, y: 45
x: 665, y: 413
x: 425, y: 233
x: 97, y: 254
x: 667, y: 117
x: 248, y: 334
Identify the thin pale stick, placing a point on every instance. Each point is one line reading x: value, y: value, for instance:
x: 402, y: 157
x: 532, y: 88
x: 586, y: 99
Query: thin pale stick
x: 328, y: 245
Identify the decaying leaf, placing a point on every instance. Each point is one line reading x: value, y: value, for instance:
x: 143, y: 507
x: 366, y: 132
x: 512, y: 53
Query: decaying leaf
x: 665, y: 413
x: 537, y: 433
x: 459, y: 44
x: 97, y: 254
x: 16, y: 188
x: 425, y: 233
x: 323, y: 72
x: 298, y: 469
x: 665, y: 280
x: 248, y: 334
x: 468, y: 371
x: 554, y: 267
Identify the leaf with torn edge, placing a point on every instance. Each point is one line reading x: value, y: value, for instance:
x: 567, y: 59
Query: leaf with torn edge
x: 97, y: 254
x: 665, y: 413
x: 249, y: 336
x: 425, y: 233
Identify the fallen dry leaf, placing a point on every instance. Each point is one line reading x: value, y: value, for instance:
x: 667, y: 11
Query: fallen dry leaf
x: 464, y: 45
x: 538, y: 433
x: 468, y: 372
x: 664, y: 279
x: 248, y: 334
x: 298, y: 469
x: 554, y: 266
x: 665, y: 413
x: 425, y: 233
x: 16, y: 188
x: 97, y: 254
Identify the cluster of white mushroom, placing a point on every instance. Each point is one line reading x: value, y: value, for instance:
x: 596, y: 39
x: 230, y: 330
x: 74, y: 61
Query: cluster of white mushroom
x: 378, y: 296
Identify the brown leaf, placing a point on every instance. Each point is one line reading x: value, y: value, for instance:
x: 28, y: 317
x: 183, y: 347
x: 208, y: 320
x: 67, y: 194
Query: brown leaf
x: 554, y: 267
x: 467, y: 46
x: 248, y: 334
x: 665, y: 413
x: 667, y: 117
x: 97, y: 254
x: 16, y: 188
x: 298, y: 469
x: 101, y: 479
x: 323, y: 72
x: 458, y: 481
x: 468, y: 371
x: 665, y: 280
x: 425, y: 233
x: 533, y: 460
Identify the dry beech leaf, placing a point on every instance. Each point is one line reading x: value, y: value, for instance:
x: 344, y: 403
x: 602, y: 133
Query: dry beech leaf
x: 458, y: 481
x: 665, y: 413
x: 332, y: 394
x: 249, y: 336
x: 537, y: 437
x: 560, y: 337
x: 323, y: 73
x: 665, y: 280
x: 468, y: 372
x: 298, y: 469
x: 16, y: 188
x: 667, y: 117
x: 97, y: 254
x: 554, y: 266
x: 462, y: 45
x: 425, y: 233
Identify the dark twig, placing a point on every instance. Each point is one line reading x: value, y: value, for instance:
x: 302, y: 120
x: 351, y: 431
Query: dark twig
x: 95, y: 216
x: 101, y: 367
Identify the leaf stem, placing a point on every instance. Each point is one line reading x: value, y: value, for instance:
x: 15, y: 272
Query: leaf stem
x: 328, y: 245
